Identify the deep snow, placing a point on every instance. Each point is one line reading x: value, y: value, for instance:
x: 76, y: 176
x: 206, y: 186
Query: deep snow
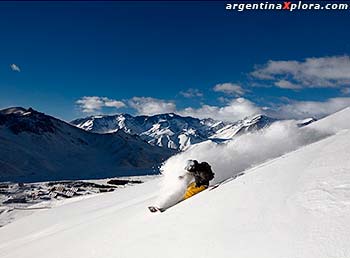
x: 296, y: 205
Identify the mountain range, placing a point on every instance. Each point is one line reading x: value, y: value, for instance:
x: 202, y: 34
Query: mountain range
x: 38, y: 147
x: 171, y: 130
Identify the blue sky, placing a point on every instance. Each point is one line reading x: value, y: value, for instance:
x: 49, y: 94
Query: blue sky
x: 73, y: 59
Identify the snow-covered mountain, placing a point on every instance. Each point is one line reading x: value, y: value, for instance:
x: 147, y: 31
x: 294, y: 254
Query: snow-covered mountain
x: 166, y: 130
x: 36, y: 147
x: 296, y: 205
x: 249, y: 124
x: 171, y: 130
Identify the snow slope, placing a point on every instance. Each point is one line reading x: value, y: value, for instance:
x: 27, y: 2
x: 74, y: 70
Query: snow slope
x: 297, y: 205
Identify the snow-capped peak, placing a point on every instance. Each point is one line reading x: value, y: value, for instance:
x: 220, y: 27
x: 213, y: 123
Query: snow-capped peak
x: 171, y: 130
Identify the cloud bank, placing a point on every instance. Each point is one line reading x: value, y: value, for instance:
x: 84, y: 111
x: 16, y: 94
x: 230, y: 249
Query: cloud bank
x: 313, y: 72
x: 240, y: 108
x: 233, y: 110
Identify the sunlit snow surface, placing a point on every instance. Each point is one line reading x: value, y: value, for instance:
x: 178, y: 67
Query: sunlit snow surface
x: 296, y: 205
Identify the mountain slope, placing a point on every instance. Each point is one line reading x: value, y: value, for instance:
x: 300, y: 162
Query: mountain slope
x: 36, y: 147
x: 294, y: 206
x: 250, y: 124
x: 171, y: 130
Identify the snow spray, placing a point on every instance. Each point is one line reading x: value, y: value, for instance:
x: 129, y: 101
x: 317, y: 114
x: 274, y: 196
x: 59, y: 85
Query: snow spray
x: 234, y: 156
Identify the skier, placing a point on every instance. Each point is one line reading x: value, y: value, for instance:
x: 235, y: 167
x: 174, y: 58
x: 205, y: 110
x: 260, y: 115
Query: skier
x: 202, y: 174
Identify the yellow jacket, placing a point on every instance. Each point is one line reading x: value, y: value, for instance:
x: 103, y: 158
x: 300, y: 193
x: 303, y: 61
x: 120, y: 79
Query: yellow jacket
x: 192, y: 189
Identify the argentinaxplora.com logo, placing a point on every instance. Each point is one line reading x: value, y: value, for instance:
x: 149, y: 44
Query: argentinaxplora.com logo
x: 286, y: 6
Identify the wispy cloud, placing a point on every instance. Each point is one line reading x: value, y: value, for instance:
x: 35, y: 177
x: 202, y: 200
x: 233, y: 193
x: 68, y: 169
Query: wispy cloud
x: 313, y: 72
x: 92, y: 104
x: 151, y: 106
x: 15, y: 68
x: 229, y: 88
x: 303, y: 109
x: 284, y: 84
x: 191, y: 93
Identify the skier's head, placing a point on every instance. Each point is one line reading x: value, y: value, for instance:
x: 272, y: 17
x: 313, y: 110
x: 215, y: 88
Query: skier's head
x: 195, y: 166
x: 201, y: 171
x: 192, y: 165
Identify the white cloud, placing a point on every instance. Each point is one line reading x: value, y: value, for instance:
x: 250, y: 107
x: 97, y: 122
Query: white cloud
x: 229, y: 88
x: 151, y: 106
x: 287, y: 85
x: 312, y: 72
x: 92, y: 104
x: 191, y: 93
x: 15, y: 68
x: 113, y: 103
x: 233, y: 111
x: 304, y: 109
x: 240, y: 108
